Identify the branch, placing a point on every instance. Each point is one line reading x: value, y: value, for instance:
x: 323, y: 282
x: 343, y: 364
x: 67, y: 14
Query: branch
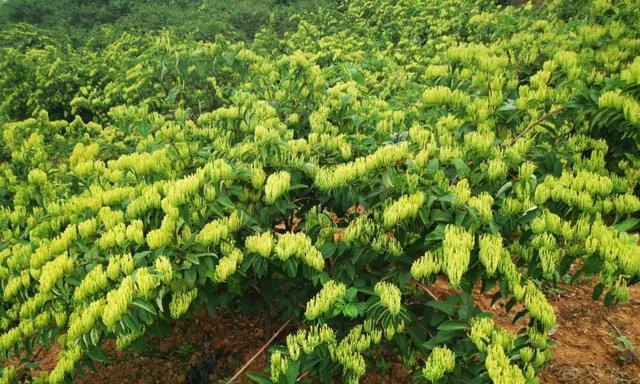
x: 540, y: 120
x: 265, y: 346
x: 416, y: 282
x: 613, y: 326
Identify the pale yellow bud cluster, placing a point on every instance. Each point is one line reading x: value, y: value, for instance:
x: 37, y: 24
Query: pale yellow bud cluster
x: 219, y: 229
x: 110, y: 218
x: 258, y: 176
x: 626, y: 103
x: 482, y: 204
x: 67, y: 359
x: 615, y: 247
x: 462, y: 191
x: 348, y: 353
x: 441, y: 360
x: 93, y: 282
x: 150, y: 198
x: 118, y: 301
x: 496, y: 169
x: 278, y: 366
x: 406, y: 207
x: 306, y: 341
x: 389, y: 295
x: 142, y: 163
x: 87, y: 228
x: 428, y: 265
x: 344, y: 174
x: 135, y: 232
x: 277, y: 184
x: 163, y: 266
x: 479, y: 142
x: 456, y: 246
x: 113, y: 237
x: 227, y: 265
x: 445, y: 96
x: 491, y: 251
x: 51, y: 249
x: 538, y: 306
x: 324, y: 300
x: 180, y: 302
x: 146, y: 283
x: 261, y: 244
x: 117, y: 195
x: 9, y: 375
x: 54, y: 271
x: 37, y: 177
x: 299, y: 245
x: 500, y: 370
x: 359, y: 229
x: 83, y: 319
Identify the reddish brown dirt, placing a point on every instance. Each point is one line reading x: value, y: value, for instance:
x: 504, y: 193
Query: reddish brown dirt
x: 207, y: 349
x: 584, y: 352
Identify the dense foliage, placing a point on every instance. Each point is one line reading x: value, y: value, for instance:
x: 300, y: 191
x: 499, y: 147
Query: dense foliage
x: 328, y: 174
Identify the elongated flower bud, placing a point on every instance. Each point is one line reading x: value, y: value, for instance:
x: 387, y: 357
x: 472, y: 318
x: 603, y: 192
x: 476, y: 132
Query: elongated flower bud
x: 490, y: 252
x: 456, y: 248
x: 406, y: 207
x: 324, y: 300
x: 441, y: 360
x: 389, y: 295
x: 277, y: 185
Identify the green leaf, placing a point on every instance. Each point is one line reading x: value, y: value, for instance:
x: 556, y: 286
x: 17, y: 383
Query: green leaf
x: 628, y: 224
x: 453, y: 325
x: 258, y: 378
x: 443, y: 306
x: 597, y: 291
x: 97, y: 354
x: 462, y: 168
x: 145, y: 305
x: 190, y: 277
x: 226, y: 201
x: 350, y: 311
x: 592, y: 265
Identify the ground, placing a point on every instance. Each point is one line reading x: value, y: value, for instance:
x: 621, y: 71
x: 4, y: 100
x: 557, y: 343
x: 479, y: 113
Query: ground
x: 206, y: 350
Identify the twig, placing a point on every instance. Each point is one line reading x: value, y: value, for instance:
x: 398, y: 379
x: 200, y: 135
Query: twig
x: 532, y: 125
x: 265, y: 346
x: 426, y: 290
x: 612, y: 326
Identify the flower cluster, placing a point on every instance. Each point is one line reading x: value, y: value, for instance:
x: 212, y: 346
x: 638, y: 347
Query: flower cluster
x: 344, y: 174
x: 277, y: 185
x: 491, y: 252
x: 406, y: 207
x: 261, y: 244
x: 299, y: 245
x: 441, y: 360
x: 389, y: 295
x: 219, y: 229
x: 456, y: 248
x: 324, y: 300
x: 228, y: 264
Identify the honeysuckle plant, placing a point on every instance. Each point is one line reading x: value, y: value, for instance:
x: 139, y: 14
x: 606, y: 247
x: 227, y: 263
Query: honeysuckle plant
x: 330, y: 175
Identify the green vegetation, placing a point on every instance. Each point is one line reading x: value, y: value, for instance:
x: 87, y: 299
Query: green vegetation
x: 328, y: 167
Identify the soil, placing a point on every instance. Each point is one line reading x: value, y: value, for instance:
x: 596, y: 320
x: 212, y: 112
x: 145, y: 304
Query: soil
x: 211, y: 350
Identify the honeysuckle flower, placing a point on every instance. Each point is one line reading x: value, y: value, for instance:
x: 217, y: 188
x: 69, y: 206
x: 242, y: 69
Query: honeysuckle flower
x: 180, y: 302
x: 324, y: 300
x: 389, y: 295
x: 406, y: 207
x: 491, y: 252
x: 441, y: 360
x: 277, y: 184
x: 456, y: 248
x: 261, y: 244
